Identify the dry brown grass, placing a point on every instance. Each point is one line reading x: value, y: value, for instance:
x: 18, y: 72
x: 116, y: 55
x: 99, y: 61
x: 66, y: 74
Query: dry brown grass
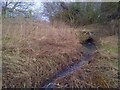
x: 98, y: 74
x: 32, y: 53
x: 102, y: 71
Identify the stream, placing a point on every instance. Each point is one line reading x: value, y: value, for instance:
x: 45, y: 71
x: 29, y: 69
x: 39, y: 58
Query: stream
x: 89, y: 48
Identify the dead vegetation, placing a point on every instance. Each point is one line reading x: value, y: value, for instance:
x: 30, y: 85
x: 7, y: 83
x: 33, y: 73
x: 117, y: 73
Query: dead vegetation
x: 97, y: 74
x: 32, y: 54
x: 101, y: 72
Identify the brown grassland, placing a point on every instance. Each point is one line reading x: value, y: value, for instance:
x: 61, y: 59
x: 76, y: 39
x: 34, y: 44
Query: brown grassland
x: 33, y: 52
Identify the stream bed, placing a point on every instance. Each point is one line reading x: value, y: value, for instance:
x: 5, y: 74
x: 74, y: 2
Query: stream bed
x: 89, y: 48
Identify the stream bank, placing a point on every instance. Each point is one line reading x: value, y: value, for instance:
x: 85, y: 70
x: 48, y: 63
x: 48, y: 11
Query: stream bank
x: 89, y: 49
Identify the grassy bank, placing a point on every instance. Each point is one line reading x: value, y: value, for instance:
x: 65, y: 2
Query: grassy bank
x: 33, y: 53
x: 102, y: 71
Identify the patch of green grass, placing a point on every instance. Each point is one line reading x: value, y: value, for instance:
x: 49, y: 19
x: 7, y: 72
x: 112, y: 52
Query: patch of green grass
x: 111, y: 51
x: 109, y: 48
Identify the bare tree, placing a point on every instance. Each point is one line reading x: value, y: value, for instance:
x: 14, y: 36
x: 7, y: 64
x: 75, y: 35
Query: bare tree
x: 10, y: 6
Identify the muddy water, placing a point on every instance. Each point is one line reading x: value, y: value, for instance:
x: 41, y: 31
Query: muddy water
x: 89, y: 49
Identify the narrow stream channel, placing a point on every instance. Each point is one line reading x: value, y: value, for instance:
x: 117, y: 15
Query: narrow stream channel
x: 89, y: 48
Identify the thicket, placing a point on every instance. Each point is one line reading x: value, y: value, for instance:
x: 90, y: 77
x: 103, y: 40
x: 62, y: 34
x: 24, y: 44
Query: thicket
x: 88, y: 13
